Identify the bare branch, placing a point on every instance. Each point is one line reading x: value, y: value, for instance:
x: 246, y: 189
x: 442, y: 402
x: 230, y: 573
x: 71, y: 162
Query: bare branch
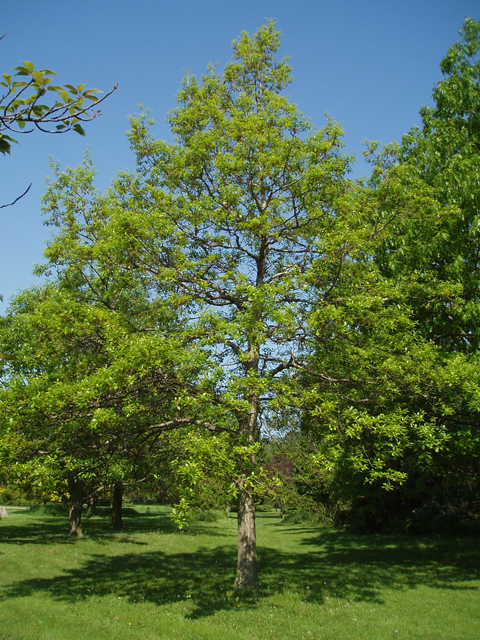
x: 19, y: 197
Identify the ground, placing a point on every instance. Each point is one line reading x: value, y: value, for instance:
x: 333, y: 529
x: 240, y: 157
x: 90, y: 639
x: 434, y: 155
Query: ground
x: 153, y: 582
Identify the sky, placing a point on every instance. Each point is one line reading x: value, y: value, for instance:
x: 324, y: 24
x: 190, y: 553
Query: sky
x: 371, y: 64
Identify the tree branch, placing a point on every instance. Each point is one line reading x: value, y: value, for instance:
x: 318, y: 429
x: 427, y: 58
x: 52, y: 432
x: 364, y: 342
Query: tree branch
x: 17, y: 199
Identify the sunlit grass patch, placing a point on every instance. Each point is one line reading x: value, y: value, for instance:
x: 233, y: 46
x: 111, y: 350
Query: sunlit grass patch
x: 151, y: 581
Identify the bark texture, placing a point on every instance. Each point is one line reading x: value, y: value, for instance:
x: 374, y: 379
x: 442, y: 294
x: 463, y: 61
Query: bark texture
x: 247, y: 575
x: 75, y: 507
x: 117, y: 497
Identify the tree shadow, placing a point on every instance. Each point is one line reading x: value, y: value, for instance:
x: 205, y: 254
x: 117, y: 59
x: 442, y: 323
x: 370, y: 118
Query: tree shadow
x: 360, y: 567
x: 44, y: 531
x: 334, y: 565
x: 49, y: 530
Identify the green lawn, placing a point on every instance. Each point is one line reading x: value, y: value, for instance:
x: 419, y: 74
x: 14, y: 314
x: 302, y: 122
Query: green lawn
x: 152, y: 581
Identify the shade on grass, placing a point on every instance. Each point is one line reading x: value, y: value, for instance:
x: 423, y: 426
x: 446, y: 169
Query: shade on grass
x: 151, y: 581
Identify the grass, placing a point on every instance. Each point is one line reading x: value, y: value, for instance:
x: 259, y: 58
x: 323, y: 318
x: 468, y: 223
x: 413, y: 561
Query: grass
x: 153, y: 582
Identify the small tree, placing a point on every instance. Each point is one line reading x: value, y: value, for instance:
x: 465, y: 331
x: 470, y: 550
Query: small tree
x: 76, y: 406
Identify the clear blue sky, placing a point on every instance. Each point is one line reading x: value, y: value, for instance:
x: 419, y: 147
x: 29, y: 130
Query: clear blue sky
x: 371, y: 64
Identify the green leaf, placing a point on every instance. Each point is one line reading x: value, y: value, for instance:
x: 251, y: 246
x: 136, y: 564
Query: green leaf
x: 38, y: 110
x: 28, y: 65
x: 38, y: 78
x: 5, y: 146
x: 21, y: 71
x: 78, y: 128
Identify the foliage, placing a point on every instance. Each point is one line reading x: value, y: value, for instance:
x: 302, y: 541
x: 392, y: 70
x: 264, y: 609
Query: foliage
x: 19, y: 495
x: 25, y: 103
x: 443, y: 156
x: 70, y: 408
x: 206, y: 470
x: 398, y: 407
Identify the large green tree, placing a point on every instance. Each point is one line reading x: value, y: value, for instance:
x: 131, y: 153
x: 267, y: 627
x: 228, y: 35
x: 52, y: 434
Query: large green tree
x: 227, y: 225
x: 444, y: 155
x: 443, y: 251
x: 414, y: 337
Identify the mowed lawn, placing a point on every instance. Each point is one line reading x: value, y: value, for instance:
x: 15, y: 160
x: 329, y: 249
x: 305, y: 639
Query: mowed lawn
x: 153, y: 582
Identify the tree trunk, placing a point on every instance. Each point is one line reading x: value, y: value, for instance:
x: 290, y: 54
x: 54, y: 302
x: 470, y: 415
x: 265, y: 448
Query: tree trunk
x: 92, y: 505
x: 117, y: 497
x: 247, y: 575
x: 75, y: 507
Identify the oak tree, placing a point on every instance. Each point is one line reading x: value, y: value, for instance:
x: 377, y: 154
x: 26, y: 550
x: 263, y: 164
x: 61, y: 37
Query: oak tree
x: 226, y: 225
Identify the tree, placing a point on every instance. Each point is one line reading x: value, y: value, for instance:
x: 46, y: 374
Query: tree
x: 419, y: 428
x: 443, y: 156
x: 228, y: 226
x: 75, y: 398
x: 382, y: 403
